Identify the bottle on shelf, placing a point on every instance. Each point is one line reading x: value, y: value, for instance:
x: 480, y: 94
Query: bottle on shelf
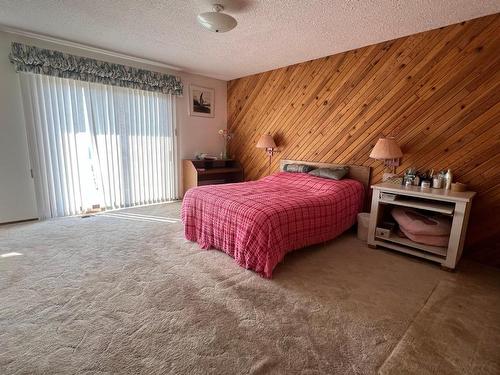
x: 448, y: 179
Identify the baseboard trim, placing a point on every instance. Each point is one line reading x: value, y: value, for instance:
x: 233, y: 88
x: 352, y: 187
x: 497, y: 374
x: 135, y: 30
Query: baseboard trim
x: 18, y: 221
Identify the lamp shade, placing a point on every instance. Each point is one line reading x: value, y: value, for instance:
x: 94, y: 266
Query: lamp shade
x: 386, y: 148
x: 266, y: 141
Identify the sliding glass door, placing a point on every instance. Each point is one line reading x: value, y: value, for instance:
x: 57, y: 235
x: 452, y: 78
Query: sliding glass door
x: 98, y: 144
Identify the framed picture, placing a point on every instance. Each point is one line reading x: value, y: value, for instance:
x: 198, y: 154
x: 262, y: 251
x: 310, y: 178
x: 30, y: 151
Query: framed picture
x: 201, y: 101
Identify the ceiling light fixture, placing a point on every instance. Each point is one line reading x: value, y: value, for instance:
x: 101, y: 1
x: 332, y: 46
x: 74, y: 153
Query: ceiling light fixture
x: 217, y: 21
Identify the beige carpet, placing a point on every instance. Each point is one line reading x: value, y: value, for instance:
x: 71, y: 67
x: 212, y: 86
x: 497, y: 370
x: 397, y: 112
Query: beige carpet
x: 125, y: 293
x: 457, y: 332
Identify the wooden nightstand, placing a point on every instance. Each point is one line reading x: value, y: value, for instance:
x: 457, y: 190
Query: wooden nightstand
x: 455, y: 204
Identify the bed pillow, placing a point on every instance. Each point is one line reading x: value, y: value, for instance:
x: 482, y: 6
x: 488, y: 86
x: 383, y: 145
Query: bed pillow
x: 336, y: 173
x: 298, y: 168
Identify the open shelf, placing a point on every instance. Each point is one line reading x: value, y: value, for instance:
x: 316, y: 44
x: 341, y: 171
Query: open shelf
x: 408, y: 250
x: 424, y: 204
x: 441, y: 251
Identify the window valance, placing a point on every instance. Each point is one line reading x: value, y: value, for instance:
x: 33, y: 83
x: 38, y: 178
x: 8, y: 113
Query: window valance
x: 54, y: 63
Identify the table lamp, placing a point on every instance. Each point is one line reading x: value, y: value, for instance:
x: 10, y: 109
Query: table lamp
x: 387, y: 149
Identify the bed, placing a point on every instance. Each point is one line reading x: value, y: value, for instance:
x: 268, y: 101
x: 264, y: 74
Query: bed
x: 259, y: 222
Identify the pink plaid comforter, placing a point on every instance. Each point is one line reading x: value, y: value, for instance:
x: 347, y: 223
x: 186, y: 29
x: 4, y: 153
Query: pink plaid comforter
x: 258, y: 222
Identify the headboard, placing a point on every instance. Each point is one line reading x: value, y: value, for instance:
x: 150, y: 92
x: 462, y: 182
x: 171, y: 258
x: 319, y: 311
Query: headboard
x: 356, y: 172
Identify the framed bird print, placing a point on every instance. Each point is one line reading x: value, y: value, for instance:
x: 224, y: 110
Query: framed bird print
x: 201, y: 101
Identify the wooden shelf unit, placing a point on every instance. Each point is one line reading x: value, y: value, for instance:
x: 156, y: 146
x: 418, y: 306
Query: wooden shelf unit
x: 454, y: 204
x: 210, y: 172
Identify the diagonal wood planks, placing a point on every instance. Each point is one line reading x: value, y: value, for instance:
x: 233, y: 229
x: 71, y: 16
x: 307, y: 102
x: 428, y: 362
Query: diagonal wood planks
x: 437, y: 92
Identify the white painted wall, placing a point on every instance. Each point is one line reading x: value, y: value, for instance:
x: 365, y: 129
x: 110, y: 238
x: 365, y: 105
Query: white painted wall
x: 199, y: 134
x: 17, y: 197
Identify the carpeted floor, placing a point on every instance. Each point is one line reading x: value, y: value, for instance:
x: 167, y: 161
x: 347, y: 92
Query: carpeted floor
x: 456, y: 332
x: 124, y: 293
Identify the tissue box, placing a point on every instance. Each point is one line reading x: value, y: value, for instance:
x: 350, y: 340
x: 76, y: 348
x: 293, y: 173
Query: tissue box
x: 382, y: 232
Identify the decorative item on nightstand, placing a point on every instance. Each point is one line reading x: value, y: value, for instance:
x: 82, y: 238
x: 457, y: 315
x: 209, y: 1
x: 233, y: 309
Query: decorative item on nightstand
x: 458, y: 187
x: 266, y: 142
x: 409, y: 177
x: 449, y: 179
x: 227, y: 137
x: 437, y: 181
x: 387, y: 149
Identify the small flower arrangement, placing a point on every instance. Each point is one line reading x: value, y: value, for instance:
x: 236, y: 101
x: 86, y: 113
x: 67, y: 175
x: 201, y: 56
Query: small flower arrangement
x: 227, y: 137
x: 225, y: 134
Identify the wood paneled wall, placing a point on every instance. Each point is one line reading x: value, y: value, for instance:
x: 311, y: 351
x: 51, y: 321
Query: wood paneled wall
x: 436, y: 92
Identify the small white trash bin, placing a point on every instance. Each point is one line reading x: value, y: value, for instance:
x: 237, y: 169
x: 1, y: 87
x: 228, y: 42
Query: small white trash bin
x: 363, y: 221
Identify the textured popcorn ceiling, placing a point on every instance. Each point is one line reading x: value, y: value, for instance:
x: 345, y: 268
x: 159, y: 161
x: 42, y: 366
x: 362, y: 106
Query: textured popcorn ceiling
x: 270, y: 33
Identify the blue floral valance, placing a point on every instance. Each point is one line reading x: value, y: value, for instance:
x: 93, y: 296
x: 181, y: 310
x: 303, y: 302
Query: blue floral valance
x: 54, y: 63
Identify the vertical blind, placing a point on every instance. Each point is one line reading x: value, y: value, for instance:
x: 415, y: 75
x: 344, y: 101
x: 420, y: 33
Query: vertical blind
x: 92, y: 143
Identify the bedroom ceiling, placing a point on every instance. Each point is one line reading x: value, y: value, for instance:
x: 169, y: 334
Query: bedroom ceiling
x: 270, y: 33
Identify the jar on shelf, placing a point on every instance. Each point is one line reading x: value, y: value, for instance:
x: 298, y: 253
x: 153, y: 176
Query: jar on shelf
x: 437, y: 182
